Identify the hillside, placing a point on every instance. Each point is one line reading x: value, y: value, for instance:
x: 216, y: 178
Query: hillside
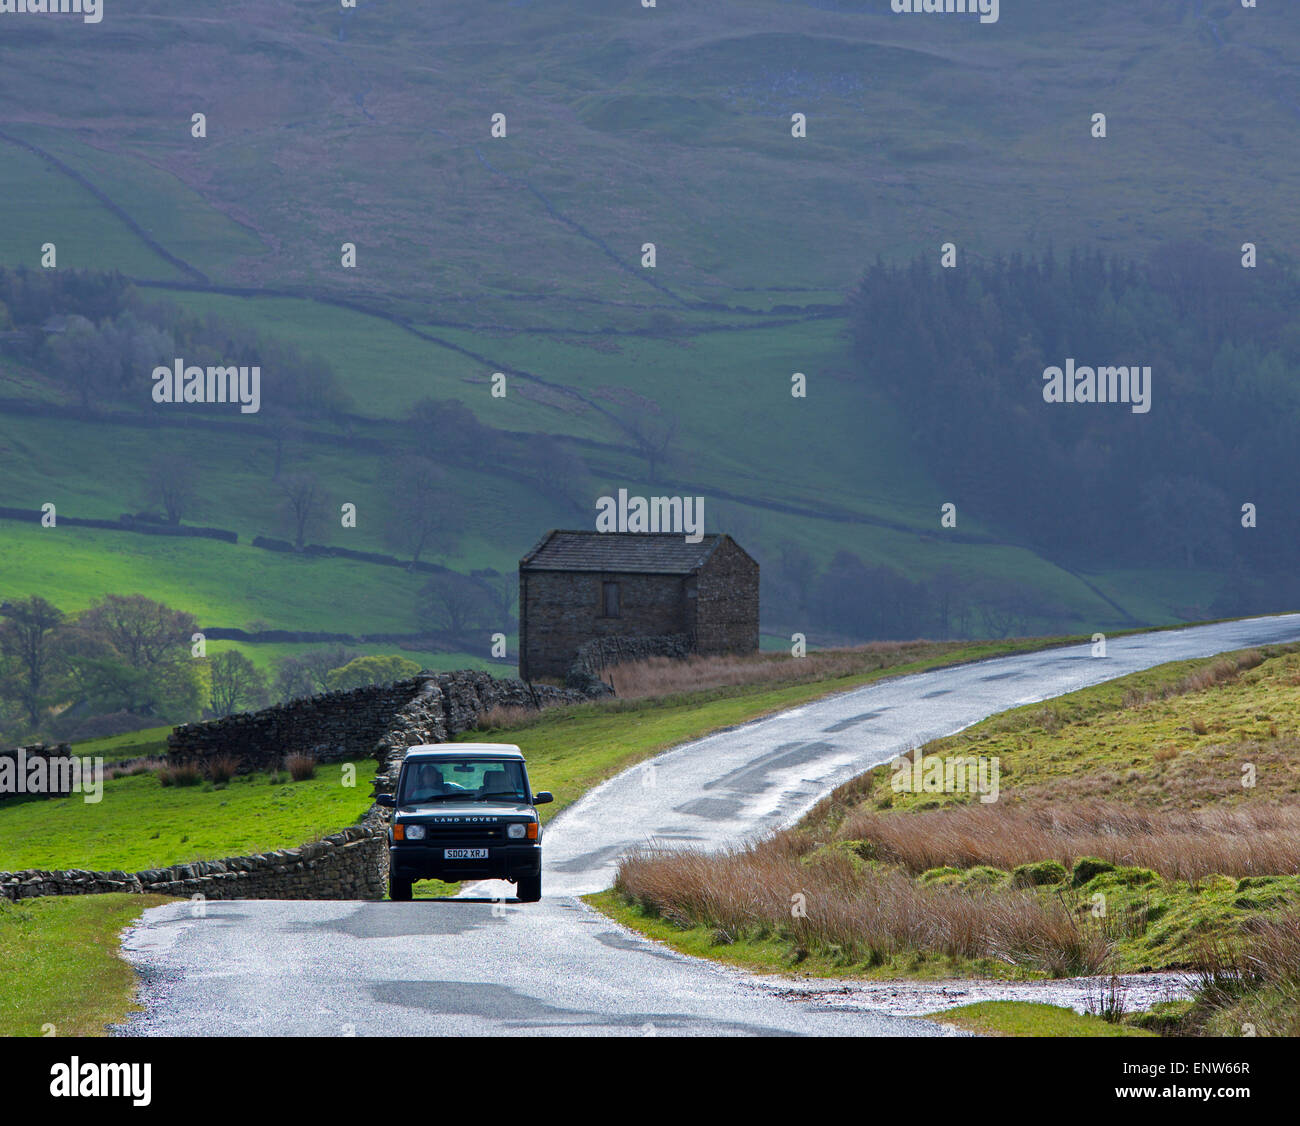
x: 522, y: 255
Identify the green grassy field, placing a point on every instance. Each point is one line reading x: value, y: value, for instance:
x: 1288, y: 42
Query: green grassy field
x: 147, y: 743
x: 534, y: 243
x: 70, y: 217
x: 65, y: 952
x: 221, y: 584
x: 141, y: 824
x: 1168, y: 752
x: 265, y: 653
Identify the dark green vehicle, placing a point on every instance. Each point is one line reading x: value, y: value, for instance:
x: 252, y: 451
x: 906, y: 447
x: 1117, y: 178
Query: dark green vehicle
x: 465, y: 811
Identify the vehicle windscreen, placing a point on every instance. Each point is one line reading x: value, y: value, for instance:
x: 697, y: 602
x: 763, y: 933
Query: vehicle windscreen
x: 463, y: 780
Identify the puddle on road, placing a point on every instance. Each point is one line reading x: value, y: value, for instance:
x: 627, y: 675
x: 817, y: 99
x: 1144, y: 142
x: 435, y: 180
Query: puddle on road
x: 917, y: 998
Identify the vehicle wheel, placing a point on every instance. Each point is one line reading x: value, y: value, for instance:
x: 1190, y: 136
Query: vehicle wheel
x: 528, y: 889
x: 399, y: 891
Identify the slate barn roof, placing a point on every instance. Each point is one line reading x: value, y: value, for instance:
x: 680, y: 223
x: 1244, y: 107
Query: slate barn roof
x: 644, y: 553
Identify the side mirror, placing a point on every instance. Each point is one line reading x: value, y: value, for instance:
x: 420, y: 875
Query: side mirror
x: 543, y: 798
x: 386, y: 799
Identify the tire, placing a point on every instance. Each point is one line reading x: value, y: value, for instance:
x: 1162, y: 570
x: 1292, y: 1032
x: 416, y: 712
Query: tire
x: 399, y: 891
x: 528, y: 889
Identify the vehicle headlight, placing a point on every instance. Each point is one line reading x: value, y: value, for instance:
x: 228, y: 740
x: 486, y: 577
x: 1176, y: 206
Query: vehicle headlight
x: 415, y: 832
x: 516, y: 832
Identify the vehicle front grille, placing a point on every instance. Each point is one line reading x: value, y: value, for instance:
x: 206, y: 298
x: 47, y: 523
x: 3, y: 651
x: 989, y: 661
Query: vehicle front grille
x: 464, y: 832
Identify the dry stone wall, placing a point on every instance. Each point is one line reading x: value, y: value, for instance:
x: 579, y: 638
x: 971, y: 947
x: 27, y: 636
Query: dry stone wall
x: 350, y: 864
x: 586, y: 674
x: 380, y: 722
x: 361, y: 723
x: 448, y: 704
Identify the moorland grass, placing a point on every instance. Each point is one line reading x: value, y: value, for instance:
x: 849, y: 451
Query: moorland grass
x: 1128, y: 795
x: 141, y: 824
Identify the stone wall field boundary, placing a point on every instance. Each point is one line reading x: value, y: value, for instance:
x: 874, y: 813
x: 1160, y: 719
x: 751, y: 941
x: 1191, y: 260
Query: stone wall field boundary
x: 380, y: 722
x: 587, y: 672
x: 350, y: 864
x: 360, y: 723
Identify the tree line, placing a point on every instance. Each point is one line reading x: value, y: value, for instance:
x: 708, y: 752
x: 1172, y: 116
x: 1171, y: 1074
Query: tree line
x: 962, y: 352
x: 100, y: 338
x: 129, y: 662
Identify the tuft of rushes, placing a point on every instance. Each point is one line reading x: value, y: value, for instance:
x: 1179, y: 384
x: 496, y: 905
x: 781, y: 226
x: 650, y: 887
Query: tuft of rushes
x: 301, y: 767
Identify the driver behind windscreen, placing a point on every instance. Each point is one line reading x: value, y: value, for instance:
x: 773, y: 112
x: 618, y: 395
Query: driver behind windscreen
x: 428, y: 783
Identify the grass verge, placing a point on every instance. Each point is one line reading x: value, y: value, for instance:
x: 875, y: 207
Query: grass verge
x: 1029, y: 1018
x: 571, y: 750
x: 65, y: 953
x: 1147, y: 823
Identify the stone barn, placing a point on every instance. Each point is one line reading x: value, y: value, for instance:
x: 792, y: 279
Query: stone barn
x: 580, y: 587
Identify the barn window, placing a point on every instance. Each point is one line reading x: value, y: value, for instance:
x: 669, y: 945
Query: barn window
x: 609, y: 600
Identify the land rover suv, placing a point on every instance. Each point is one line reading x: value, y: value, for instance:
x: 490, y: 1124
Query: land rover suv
x: 464, y: 811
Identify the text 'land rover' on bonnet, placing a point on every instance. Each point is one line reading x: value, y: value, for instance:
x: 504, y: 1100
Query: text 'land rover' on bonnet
x: 465, y: 811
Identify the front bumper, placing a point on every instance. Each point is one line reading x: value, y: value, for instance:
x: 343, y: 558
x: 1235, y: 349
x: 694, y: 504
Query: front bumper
x: 420, y: 861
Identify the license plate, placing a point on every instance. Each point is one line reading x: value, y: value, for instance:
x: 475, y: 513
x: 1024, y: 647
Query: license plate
x: 464, y: 854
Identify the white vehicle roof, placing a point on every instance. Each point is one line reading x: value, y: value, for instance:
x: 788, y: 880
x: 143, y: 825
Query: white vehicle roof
x: 463, y: 750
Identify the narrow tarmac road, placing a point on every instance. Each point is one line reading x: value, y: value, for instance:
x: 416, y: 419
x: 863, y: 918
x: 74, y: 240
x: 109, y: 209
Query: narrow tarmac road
x: 473, y: 966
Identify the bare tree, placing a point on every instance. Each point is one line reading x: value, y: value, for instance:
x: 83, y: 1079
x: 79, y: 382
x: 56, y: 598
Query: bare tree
x: 302, y: 504
x: 652, y: 435
x: 292, y: 680
x: 502, y: 591
x: 319, y: 663
x: 557, y: 469
x: 25, y: 637
x: 949, y: 591
x: 170, y: 483
x: 453, y: 602
x: 307, y: 674
x: 147, y: 634
x: 237, y: 683
x: 279, y: 425
x: 424, y: 510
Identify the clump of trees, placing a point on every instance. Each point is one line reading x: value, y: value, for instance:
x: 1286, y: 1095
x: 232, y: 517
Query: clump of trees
x: 98, y: 336
x: 365, y: 671
x: 128, y: 662
x: 122, y: 664
x: 961, y: 352
x: 454, y: 603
